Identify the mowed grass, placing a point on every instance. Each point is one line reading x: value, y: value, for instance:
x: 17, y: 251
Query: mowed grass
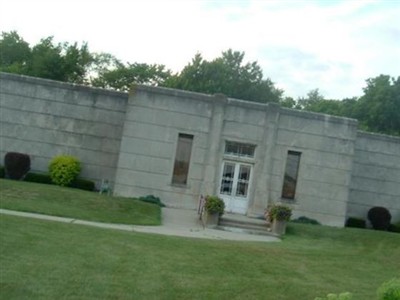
x: 74, y: 203
x: 50, y: 260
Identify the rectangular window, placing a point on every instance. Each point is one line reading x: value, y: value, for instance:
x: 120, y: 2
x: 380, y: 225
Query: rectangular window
x: 238, y: 149
x: 291, y: 173
x: 182, y: 159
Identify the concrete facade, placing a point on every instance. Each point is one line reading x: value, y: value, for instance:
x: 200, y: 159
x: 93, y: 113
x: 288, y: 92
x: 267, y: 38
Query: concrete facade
x: 132, y: 141
x: 44, y: 118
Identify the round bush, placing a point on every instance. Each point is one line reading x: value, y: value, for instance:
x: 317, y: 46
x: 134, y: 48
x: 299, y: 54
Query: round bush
x: 379, y: 217
x: 64, y: 169
x: 389, y: 290
x: 214, y: 204
x: 16, y: 165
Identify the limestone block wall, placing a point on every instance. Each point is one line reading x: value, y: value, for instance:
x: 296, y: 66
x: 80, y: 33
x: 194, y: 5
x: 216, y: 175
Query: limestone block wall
x: 154, y: 119
x: 376, y: 175
x: 326, y: 145
x: 44, y: 118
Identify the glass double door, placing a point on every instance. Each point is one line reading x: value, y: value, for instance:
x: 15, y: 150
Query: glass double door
x: 234, y: 186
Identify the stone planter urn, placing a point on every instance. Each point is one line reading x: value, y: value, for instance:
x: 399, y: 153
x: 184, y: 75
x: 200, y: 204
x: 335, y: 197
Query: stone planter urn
x: 279, y: 227
x: 214, y: 208
x: 280, y: 215
x: 212, y: 220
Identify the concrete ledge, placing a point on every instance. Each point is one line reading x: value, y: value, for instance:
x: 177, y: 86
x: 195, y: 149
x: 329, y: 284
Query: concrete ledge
x: 60, y: 84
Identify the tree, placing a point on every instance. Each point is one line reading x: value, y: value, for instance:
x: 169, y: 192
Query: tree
x: 62, y: 62
x: 46, y: 59
x: 378, y: 109
x: 121, y: 77
x: 14, y: 53
x: 228, y: 75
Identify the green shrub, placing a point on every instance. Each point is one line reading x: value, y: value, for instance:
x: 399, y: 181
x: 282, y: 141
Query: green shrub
x: 395, y: 227
x: 2, y: 172
x: 341, y: 296
x: 278, y: 212
x: 83, y: 184
x: 379, y: 217
x: 305, y: 220
x: 152, y: 199
x: 16, y: 165
x: 214, y: 204
x: 389, y: 290
x: 38, y: 178
x: 355, y: 222
x: 64, y: 169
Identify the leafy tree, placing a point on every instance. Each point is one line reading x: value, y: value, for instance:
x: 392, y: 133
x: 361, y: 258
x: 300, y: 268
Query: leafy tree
x: 378, y: 109
x: 121, y: 76
x: 14, y: 53
x: 62, y: 62
x: 46, y: 59
x: 228, y: 75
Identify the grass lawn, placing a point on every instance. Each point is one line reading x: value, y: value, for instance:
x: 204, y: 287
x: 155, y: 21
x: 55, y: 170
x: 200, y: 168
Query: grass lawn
x: 49, y: 260
x: 74, y: 203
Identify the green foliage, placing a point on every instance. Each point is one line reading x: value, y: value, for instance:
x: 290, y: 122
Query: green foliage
x: 305, y: 220
x: 15, y: 53
x: 79, y: 183
x: 379, y: 217
x: 83, y: 184
x: 341, y: 296
x: 379, y: 107
x: 38, y: 178
x: 355, y: 222
x: 62, y: 61
x: 2, y: 172
x: 395, y: 227
x: 279, y: 212
x: 378, y: 110
x: 227, y: 74
x: 64, y: 169
x: 123, y: 76
x: 214, y: 204
x: 389, y: 290
x: 152, y: 199
x: 17, y: 165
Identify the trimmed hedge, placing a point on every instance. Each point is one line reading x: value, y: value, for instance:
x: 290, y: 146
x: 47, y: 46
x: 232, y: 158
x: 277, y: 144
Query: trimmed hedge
x: 83, y: 184
x: 2, y: 172
x: 16, y: 165
x: 305, y: 220
x: 152, y: 199
x: 395, y: 227
x: 380, y: 218
x: 356, y: 222
x: 38, y: 178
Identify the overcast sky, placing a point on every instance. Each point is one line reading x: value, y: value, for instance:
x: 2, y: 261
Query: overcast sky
x: 301, y: 45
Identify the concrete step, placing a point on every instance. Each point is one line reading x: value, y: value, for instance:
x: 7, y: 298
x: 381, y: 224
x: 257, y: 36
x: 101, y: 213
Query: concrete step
x: 247, y: 230
x: 243, y: 224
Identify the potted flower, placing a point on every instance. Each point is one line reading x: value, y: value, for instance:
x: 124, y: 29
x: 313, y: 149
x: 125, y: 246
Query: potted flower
x: 278, y: 215
x: 214, y: 208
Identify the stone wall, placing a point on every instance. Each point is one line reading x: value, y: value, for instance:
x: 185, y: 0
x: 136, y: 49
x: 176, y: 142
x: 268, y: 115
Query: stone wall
x: 44, y: 118
x: 326, y: 144
x: 133, y: 141
x: 154, y: 119
x: 376, y: 175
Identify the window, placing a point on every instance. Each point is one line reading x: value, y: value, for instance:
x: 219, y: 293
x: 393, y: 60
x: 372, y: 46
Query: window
x: 291, y: 172
x: 238, y: 149
x: 182, y: 159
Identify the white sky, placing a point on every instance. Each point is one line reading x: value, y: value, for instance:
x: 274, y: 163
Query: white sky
x: 301, y: 45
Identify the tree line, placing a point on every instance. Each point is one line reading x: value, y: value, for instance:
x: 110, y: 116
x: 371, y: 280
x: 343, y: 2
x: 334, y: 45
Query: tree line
x: 377, y: 110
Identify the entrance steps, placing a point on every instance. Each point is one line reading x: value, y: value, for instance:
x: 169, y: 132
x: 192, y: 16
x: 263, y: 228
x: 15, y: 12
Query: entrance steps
x: 244, y: 224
